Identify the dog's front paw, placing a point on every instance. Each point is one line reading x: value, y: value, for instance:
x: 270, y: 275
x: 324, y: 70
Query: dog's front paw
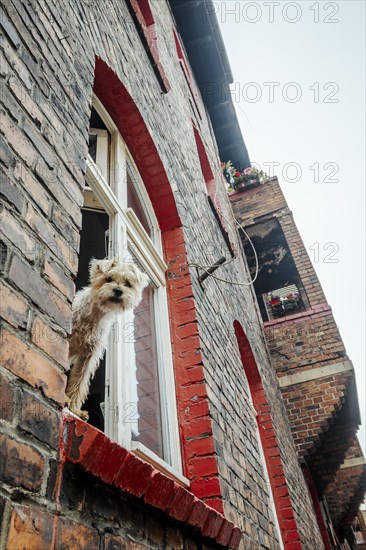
x: 84, y: 415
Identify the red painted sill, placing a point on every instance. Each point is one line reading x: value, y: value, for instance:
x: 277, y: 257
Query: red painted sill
x: 95, y: 453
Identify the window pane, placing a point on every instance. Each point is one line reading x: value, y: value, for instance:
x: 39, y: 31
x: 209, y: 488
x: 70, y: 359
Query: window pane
x: 134, y: 202
x: 99, y: 143
x: 147, y: 391
x: 93, y: 146
x: 96, y: 121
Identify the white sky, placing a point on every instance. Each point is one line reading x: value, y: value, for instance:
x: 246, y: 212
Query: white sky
x: 311, y: 130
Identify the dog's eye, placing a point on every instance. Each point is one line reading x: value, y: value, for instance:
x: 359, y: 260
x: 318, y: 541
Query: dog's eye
x: 128, y: 284
x: 109, y: 279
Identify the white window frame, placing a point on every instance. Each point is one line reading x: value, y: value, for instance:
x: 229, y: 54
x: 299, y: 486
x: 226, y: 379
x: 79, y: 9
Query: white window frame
x: 124, y: 227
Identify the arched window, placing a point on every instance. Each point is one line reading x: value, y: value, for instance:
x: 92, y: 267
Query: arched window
x: 145, y: 24
x: 132, y: 397
x: 208, y: 176
x: 278, y: 490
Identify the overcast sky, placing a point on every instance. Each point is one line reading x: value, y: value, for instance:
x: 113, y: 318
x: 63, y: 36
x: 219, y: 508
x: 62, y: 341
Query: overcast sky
x: 299, y: 71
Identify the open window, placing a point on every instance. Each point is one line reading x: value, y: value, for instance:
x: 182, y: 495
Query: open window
x: 132, y: 396
x: 279, y: 289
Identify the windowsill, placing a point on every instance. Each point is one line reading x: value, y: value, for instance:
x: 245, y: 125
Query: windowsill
x: 145, y: 454
x: 91, y: 449
x: 288, y: 313
x: 148, y: 456
x: 316, y: 310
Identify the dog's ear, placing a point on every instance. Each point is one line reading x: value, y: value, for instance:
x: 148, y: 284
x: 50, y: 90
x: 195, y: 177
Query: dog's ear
x: 97, y: 267
x: 94, y: 269
x: 141, y: 278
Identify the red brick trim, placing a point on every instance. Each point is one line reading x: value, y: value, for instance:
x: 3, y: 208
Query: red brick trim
x: 132, y: 127
x: 198, y: 448
x: 208, y: 176
x: 145, y: 21
x: 115, y: 465
x: 316, y: 503
x: 281, y: 495
x: 205, y: 165
x: 187, y: 74
x: 182, y: 57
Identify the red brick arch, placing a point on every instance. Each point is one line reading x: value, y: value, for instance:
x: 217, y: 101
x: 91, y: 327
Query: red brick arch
x: 199, y: 457
x: 276, y: 474
x: 129, y: 121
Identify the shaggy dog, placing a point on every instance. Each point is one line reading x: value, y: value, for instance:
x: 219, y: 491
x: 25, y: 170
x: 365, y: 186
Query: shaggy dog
x: 114, y: 287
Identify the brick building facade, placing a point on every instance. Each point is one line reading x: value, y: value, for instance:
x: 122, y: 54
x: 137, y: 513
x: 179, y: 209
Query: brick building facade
x: 84, y: 87
x: 315, y: 375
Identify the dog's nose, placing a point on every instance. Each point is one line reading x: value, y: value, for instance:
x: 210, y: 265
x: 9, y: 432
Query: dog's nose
x: 117, y: 292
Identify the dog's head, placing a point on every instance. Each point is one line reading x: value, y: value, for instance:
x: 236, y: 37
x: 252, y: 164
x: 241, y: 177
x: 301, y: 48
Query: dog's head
x: 116, y: 285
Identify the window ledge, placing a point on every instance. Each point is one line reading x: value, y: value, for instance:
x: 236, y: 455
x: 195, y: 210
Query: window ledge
x: 145, y: 454
x: 95, y: 453
x: 314, y: 311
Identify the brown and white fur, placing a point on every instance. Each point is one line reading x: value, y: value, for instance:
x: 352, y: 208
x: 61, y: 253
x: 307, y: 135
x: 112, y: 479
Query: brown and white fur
x: 114, y: 287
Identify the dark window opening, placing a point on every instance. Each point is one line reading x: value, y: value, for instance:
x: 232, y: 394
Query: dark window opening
x: 93, y: 244
x: 278, y: 279
x: 93, y: 146
x: 96, y: 123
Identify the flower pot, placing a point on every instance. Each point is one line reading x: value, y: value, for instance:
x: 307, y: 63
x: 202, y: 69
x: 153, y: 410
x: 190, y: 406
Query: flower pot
x: 240, y: 186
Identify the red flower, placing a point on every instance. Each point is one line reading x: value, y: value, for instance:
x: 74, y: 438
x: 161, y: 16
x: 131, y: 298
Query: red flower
x: 237, y: 174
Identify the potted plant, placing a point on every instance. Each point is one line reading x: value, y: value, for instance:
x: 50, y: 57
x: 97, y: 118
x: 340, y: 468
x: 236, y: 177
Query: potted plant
x: 229, y: 173
x: 282, y: 305
x: 253, y: 176
x: 240, y: 181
